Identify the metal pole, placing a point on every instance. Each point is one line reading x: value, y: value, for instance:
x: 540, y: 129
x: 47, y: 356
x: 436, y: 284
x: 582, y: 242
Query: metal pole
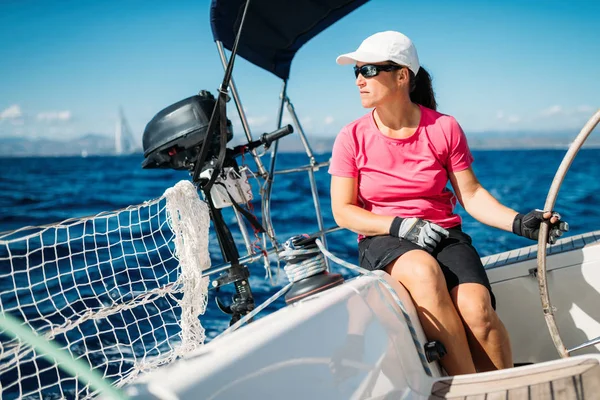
x: 238, y: 103
x: 268, y: 185
x: 219, y: 109
x: 311, y: 172
x: 243, y: 230
x: 307, y: 148
x: 543, y: 234
x: 315, y: 167
x: 254, y: 257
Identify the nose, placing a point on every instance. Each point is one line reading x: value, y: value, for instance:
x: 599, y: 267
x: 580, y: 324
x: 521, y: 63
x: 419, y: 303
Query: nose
x: 360, y: 80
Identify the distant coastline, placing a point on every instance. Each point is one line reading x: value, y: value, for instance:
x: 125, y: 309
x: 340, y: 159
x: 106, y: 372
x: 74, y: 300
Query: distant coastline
x: 102, y: 145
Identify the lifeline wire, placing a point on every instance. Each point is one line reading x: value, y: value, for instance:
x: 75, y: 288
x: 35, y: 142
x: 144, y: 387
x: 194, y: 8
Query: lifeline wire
x: 413, y: 332
x: 301, y: 263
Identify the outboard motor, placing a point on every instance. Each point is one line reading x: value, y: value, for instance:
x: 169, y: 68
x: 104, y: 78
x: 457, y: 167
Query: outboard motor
x: 174, y: 137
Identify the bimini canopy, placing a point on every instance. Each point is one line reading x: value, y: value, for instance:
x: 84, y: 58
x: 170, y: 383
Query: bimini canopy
x: 275, y: 30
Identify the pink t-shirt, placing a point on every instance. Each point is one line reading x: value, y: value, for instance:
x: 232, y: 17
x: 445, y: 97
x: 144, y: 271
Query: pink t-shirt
x: 404, y: 177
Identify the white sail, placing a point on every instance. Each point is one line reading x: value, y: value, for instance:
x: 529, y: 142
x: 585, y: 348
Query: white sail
x: 124, y: 140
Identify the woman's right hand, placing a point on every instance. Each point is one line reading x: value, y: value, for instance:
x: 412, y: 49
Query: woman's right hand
x: 423, y: 233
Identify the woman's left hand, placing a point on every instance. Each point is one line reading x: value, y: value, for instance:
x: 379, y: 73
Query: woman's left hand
x: 528, y: 225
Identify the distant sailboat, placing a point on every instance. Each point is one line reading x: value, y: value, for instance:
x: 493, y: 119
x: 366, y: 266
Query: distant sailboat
x: 124, y: 140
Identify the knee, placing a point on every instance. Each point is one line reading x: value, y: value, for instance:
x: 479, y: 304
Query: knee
x: 429, y: 275
x: 419, y: 272
x: 477, y: 313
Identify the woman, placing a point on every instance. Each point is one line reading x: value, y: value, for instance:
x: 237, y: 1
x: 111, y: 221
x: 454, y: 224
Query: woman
x: 389, y: 174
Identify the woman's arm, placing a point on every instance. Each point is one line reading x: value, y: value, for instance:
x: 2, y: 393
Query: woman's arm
x: 479, y: 203
x: 347, y: 214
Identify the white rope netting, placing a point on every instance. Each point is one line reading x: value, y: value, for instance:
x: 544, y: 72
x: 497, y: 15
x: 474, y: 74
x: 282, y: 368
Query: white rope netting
x: 121, y: 291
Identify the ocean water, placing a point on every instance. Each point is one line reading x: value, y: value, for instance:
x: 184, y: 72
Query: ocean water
x: 38, y: 191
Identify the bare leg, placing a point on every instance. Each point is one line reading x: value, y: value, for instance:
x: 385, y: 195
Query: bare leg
x: 420, y: 273
x: 487, y: 336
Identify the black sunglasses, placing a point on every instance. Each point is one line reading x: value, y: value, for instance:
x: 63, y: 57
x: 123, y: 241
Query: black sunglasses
x: 370, y: 70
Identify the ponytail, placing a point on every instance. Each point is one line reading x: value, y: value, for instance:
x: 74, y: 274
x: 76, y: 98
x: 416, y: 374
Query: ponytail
x: 421, y: 90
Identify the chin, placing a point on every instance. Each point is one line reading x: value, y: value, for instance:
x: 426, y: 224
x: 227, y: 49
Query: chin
x: 367, y: 103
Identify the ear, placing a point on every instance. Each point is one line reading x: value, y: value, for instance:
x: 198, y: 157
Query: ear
x: 404, y: 72
x: 403, y: 77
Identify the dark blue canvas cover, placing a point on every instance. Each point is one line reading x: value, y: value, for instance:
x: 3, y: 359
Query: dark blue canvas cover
x: 275, y: 30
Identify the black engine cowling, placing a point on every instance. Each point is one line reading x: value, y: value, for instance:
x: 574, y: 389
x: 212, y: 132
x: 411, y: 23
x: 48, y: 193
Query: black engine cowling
x: 174, y: 137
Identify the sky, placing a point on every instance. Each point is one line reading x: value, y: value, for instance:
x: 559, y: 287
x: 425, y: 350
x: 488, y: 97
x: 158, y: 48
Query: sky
x: 67, y: 66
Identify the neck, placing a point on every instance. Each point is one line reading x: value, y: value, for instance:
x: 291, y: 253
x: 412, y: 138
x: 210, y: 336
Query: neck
x: 397, y: 115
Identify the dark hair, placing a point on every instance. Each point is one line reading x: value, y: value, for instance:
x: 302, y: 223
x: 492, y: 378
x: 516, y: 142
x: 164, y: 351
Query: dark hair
x: 421, y: 90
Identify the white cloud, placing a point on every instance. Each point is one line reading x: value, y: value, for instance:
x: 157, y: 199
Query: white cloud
x: 287, y: 119
x: 12, y: 112
x: 54, y: 116
x: 329, y: 120
x: 511, y: 119
x: 257, y: 121
x: 554, y: 110
x: 306, y: 120
x: 257, y: 125
x: 584, y: 109
x: 552, y: 118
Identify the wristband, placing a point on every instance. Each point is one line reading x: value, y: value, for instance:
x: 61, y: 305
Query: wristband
x: 395, y: 227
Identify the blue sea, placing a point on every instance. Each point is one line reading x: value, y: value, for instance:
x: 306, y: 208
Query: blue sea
x: 39, y: 191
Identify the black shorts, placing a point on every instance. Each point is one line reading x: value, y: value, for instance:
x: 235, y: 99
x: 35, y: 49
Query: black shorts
x: 456, y: 256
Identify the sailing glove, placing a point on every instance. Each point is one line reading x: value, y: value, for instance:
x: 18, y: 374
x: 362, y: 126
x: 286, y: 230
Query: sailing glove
x: 423, y: 233
x: 528, y: 225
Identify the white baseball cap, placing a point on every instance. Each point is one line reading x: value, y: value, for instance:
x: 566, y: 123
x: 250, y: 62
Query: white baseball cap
x: 384, y: 46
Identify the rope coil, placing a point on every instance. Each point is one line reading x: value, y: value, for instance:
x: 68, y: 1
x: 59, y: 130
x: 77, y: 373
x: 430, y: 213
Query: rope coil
x: 302, y: 260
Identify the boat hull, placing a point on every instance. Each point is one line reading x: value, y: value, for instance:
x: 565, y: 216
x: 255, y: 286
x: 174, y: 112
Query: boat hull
x: 354, y: 341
